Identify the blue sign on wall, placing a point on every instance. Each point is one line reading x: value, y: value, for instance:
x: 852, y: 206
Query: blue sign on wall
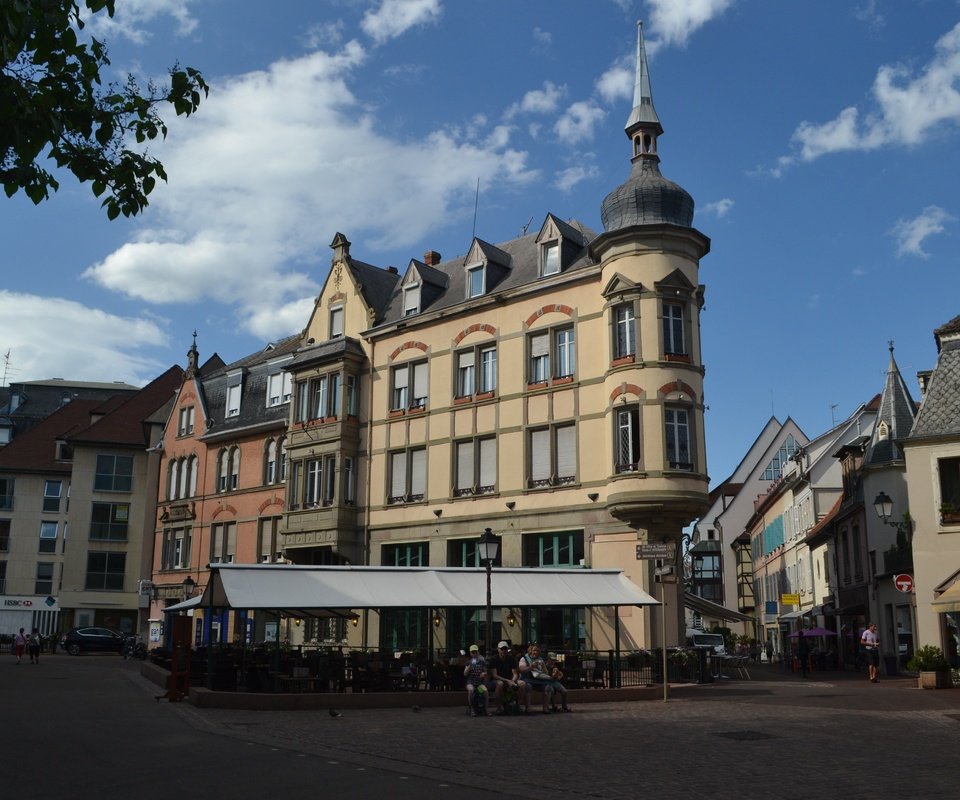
x: 771, y: 607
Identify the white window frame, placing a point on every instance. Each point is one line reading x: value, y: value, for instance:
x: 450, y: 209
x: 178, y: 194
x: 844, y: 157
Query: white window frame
x: 233, y: 401
x: 550, y: 356
x: 336, y: 322
x: 678, y: 436
x: 279, y: 389
x: 674, y: 328
x: 185, y: 422
x: 408, y: 476
x: 553, y: 455
x: 624, y: 331
x: 411, y: 299
x: 475, y: 467
x: 409, y: 386
x: 628, y: 438
x: 473, y: 271
x: 550, y: 258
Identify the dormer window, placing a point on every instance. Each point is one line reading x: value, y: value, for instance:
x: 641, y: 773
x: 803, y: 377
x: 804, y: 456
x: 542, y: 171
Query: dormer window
x: 411, y: 299
x: 550, y: 258
x: 233, y: 401
x: 234, y: 392
x: 883, y: 432
x: 475, y: 281
x: 336, y: 322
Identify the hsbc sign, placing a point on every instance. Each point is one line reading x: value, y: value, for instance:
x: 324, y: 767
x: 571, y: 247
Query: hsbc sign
x: 9, y: 602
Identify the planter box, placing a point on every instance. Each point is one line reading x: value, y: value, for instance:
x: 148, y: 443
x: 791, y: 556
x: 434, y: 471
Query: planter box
x: 940, y: 679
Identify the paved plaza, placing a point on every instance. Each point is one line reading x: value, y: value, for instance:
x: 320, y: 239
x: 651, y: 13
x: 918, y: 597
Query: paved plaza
x: 830, y: 735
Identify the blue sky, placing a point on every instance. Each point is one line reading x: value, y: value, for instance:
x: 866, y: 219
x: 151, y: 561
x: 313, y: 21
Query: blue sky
x: 819, y: 140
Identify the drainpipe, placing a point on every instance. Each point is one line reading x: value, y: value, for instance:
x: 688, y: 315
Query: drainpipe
x: 366, y: 516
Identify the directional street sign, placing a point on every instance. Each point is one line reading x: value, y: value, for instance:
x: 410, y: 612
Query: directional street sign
x: 660, y: 550
x: 903, y: 582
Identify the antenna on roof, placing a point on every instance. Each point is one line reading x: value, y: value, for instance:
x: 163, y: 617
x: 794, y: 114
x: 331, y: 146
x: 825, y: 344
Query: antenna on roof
x: 476, y: 204
x: 833, y: 416
x: 6, y: 368
x: 525, y: 227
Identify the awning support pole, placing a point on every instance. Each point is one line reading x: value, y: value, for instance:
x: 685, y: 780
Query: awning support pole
x: 616, y: 645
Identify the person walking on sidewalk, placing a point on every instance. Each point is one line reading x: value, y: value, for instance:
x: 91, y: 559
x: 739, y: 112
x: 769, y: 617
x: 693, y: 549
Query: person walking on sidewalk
x: 871, y: 646
x: 19, y: 645
x: 33, y: 646
x: 803, y: 653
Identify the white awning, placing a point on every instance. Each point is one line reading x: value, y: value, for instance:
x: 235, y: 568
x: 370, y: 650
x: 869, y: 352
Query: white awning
x: 708, y: 608
x: 948, y: 600
x: 292, y: 587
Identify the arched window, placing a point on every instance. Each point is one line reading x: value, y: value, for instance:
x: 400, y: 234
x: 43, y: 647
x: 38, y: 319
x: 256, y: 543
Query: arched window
x: 234, y: 468
x: 223, y: 470
x: 270, y: 467
x: 193, y: 463
x: 184, y: 478
x: 172, y: 480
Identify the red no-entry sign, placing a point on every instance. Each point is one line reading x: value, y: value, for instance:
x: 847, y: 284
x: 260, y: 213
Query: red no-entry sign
x: 903, y: 582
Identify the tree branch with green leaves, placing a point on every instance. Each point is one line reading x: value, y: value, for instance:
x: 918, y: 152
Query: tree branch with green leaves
x: 53, y: 106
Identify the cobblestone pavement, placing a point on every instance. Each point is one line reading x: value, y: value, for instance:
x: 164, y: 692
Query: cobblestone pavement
x: 831, y: 735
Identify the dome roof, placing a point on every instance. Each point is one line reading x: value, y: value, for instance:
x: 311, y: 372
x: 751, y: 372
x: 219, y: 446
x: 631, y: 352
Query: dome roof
x: 646, y: 198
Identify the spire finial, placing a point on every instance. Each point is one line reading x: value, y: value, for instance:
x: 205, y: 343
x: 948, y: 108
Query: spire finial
x: 643, y: 127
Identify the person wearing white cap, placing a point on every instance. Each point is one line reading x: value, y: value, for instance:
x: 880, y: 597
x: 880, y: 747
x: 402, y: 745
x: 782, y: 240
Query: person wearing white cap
x: 503, y: 675
x: 476, y: 674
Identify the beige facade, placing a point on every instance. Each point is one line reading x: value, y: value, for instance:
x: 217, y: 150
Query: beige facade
x: 549, y: 388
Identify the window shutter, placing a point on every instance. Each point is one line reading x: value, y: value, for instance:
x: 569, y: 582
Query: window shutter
x: 420, y: 381
x: 401, y: 377
x: 398, y: 474
x: 418, y: 472
x: 566, y: 451
x: 465, y: 465
x: 231, y: 541
x: 540, y: 455
x: 488, y: 462
x: 539, y: 345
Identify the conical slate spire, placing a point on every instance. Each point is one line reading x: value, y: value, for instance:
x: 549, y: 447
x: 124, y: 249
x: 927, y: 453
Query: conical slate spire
x: 894, y: 418
x: 646, y: 198
x: 643, y: 114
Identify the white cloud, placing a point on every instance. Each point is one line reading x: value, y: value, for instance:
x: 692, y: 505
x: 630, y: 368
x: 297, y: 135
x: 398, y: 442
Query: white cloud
x: 907, y: 110
x: 396, y: 17
x: 323, y: 34
x: 543, y: 38
x: 570, y: 177
x: 54, y: 337
x: 675, y: 20
x: 538, y: 101
x: 280, y: 160
x: 578, y: 122
x: 911, y: 233
x: 719, y: 208
x: 617, y: 82
x: 132, y: 15
x: 870, y: 14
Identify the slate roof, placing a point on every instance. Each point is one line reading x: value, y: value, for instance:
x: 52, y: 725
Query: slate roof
x: 329, y: 350
x: 646, y: 198
x: 40, y: 399
x: 939, y: 413
x: 898, y: 410
x: 254, y: 411
x: 519, y: 261
x: 35, y: 450
x: 376, y: 285
x: 127, y: 423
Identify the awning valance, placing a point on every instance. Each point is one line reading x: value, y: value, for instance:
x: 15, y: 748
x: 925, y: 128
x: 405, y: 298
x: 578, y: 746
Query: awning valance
x: 711, y: 609
x: 293, y: 587
x: 949, y: 600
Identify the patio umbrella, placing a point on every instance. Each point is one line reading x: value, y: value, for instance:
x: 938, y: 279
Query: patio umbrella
x: 813, y: 632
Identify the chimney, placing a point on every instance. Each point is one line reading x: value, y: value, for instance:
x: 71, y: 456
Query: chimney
x: 431, y: 258
x: 392, y: 269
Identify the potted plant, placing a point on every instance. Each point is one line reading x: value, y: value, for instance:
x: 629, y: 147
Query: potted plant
x: 933, y: 667
x: 949, y: 513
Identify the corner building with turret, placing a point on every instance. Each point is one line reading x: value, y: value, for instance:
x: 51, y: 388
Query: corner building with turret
x: 549, y: 387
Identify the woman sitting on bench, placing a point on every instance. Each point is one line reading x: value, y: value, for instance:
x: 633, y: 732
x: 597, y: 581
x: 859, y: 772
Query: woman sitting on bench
x: 534, y: 673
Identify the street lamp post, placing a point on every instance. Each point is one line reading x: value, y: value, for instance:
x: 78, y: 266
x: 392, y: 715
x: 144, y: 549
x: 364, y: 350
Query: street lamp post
x: 488, y: 548
x: 189, y: 586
